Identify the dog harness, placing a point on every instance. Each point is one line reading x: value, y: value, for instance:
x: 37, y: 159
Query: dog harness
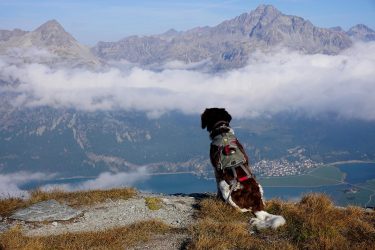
x: 230, y: 155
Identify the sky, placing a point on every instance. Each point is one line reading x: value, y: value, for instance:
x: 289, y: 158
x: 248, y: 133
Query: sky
x: 91, y: 21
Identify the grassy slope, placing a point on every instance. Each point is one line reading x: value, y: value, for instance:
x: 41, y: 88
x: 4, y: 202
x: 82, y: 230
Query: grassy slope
x: 312, y: 223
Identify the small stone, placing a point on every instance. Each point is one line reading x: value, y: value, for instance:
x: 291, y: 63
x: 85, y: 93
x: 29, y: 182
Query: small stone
x: 54, y: 223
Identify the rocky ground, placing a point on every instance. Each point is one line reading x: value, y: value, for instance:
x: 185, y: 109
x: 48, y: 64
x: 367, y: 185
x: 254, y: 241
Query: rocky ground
x: 52, y: 218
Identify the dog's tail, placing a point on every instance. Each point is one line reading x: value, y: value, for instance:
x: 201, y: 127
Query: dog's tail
x: 266, y: 220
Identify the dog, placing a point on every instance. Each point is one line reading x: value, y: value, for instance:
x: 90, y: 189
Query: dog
x: 235, y: 181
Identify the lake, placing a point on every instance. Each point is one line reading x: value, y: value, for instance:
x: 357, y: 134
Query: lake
x: 358, y: 172
x: 189, y: 183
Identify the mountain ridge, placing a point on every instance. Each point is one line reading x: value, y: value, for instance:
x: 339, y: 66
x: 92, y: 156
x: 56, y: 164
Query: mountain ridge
x: 224, y: 46
x: 230, y: 43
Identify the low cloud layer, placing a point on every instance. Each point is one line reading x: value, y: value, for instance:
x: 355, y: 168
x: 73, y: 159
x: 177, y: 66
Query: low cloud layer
x: 105, y: 180
x: 11, y: 185
x: 286, y: 81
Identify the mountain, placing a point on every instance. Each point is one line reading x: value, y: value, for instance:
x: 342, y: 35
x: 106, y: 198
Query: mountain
x: 49, y: 44
x: 362, y: 33
x: 230, y: 43
x: 73, y: 142
x: 5, y: 35
x: 225, y: 46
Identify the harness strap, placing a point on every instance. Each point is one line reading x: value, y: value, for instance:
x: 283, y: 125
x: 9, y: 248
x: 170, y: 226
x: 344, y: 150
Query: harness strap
x: 247, y: 172
x: 234, y: 172
x: 234, y: 185
x: 236, y: 180
x: 243, y: 178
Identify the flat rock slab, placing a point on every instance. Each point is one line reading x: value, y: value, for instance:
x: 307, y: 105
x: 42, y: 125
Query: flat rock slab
x: 50, y: 210
x: 175, y: 211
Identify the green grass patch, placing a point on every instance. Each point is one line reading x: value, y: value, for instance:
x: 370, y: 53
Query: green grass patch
x: 328, y: 172
x: 323, y: 176
x: 153, y: 203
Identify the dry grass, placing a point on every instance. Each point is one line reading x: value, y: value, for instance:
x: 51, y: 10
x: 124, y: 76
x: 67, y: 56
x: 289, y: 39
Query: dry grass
x: 7, y: 206
x: 75, y: 199
x: 153, y: 203
x: 313, y: 223
x: 117, y: 238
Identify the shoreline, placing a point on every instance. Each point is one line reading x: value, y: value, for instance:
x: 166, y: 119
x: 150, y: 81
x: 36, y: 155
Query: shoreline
x: 348, y: 162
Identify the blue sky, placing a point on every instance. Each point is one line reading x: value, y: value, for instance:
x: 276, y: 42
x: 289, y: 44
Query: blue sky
x: 91, y: 21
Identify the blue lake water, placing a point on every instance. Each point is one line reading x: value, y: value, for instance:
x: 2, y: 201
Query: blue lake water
x: 176, y: 183
x: 190, y: 183
x: 358, y: 172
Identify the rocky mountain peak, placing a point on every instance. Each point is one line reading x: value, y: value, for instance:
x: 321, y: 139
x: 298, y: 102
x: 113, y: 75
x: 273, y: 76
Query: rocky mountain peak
x: 266, y: 10
x: 63, y: 49
x: 171, y: 32
x: 361, y: 32
x: 52, y: 33
x: 265, y: 13
x: 50, y: 25
x: 229, y: 44
x: 360, y: 27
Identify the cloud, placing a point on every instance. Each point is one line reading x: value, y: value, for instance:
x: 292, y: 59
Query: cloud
x: 271, y: 83
x: 10, y: 184
x: 105, y: 180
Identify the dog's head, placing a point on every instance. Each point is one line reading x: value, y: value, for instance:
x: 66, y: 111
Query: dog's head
x: 212, y: 116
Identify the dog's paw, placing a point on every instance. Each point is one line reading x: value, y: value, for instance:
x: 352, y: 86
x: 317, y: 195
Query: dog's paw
x: 266, y: 220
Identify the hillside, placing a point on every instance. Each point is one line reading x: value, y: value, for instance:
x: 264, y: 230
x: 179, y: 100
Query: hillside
x: 123, y: 218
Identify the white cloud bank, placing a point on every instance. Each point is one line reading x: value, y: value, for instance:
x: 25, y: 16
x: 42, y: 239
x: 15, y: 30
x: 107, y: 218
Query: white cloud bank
x: 105, y: 180
x: 287, y: 81
x: 11, y: 184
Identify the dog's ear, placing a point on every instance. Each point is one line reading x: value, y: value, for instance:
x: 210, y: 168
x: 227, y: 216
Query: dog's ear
x: 224, y: 115
x: 204, y: 119
x: 227, y: 116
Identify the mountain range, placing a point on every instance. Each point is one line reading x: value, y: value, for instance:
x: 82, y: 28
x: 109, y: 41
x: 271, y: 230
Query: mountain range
x: 224, y: 46
x: 75, y: 142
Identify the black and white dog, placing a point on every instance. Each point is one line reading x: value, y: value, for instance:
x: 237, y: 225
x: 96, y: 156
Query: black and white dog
x: 236, y: 183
